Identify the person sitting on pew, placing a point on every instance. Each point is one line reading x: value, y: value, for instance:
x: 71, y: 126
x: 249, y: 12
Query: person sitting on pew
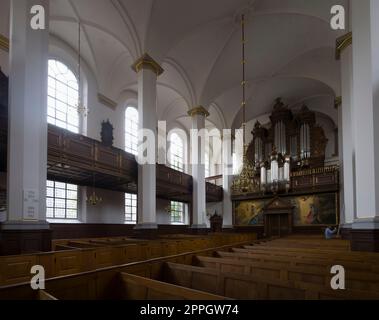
x: 330, y: 233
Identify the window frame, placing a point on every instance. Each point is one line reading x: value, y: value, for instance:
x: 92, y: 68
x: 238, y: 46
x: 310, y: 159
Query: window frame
x: 178, y: 209
x: 52, y: 185
x: 129, y: 208
x: 177, y: 152
x: 62, y: 110
x: 131, y: 130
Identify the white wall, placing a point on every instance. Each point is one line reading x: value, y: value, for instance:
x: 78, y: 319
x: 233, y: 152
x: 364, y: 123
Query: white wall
x: 110, y: 210
x: 163, y: 217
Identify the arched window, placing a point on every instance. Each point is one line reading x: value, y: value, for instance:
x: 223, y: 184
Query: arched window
x: 131, y: 130
x: 176, y: 152
x: 63, y: 97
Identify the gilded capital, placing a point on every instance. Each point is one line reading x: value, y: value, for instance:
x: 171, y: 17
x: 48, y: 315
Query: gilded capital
x: 342, y: 43
x: 337, y: 102
x: 147, y: 62
x: 4, y: 43
x: 200, y: 110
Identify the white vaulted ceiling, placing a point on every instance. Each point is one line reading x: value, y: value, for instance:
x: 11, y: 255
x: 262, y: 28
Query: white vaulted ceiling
x: 290, y: 51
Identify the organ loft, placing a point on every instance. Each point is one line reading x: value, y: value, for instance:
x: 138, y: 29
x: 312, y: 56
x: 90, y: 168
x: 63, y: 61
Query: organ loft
x: 188, y: 150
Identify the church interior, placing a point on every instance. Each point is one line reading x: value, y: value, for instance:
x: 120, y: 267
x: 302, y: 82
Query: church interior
x: 263, y: 175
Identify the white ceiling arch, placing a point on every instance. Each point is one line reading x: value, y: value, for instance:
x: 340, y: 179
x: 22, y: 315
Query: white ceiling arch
x: 198, y: 44
x: 297, y: 90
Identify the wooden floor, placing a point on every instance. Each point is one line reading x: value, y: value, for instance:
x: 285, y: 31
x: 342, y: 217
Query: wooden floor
x: 297, y: 267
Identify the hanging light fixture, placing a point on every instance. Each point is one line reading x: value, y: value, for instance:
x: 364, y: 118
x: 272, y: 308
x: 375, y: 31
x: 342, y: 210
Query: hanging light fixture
x: 81, y: 108
x: 246, y: 181
x: 93, y: 199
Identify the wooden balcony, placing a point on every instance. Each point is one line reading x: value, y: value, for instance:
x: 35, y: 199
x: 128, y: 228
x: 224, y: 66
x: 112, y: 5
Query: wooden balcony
x: 74, y: 158
x: 80, y: 160
x: 318, y: 179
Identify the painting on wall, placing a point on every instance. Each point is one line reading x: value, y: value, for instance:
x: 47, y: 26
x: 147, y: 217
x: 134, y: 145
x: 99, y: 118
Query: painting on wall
x: 316, y: 209
x: 320, y: 209
x: 249, y: 213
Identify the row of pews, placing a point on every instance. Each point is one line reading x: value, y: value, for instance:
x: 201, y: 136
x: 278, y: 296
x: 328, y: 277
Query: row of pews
x: 275, y: 269
x: 83, y: 255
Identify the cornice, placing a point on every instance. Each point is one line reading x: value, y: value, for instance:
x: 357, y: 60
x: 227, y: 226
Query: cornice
x: 342, y: 43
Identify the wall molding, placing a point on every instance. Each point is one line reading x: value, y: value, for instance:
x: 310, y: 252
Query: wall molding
x: 107, y: 101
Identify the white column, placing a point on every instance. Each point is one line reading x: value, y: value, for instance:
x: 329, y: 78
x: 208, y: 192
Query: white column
x: 147, y: 71
x: 227, y: 207
x: 347, y: 156
x: 365, y: 24
x: 27, y: 134
x: 198, y: 167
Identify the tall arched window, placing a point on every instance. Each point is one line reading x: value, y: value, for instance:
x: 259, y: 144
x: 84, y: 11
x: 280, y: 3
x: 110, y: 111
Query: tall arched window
x: 63, y: 97
x: 176, y: 152
x: 131, y: 130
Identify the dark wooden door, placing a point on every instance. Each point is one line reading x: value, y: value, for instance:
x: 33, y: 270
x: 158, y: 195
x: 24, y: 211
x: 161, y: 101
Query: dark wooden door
x: 277, y: 225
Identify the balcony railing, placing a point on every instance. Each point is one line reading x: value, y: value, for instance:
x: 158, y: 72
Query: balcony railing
x: 216, y: 180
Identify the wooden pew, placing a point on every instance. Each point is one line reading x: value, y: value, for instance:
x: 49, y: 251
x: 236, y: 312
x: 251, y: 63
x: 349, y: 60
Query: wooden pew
x: 320, y: 275
x: 43, y: 295
x: 283, y: 261
x: 16, y: 269
x: 105, y: 284
x: 139, y: 288
x: 351, y: 255
x: 303, y: 254
x: 243, y: 286
x: 320, y: 244
x: 345, y: 261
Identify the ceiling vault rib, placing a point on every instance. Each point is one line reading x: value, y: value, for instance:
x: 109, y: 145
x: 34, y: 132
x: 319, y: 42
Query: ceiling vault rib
x: 121, y: 10
x: 95, y: 26
x: 76, y: 12
x: 218, y: 56
x: 191, y: 90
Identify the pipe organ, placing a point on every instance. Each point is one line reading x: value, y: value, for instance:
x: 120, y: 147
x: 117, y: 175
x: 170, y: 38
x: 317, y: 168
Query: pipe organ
x: 287, y: 160
x: 292, y: 141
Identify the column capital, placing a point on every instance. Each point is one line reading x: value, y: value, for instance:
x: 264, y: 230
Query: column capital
x: 4, y: 43
x: 337, y: 102
x: 342, y: 43
x: 199, y: 110
x: 147, y: 62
